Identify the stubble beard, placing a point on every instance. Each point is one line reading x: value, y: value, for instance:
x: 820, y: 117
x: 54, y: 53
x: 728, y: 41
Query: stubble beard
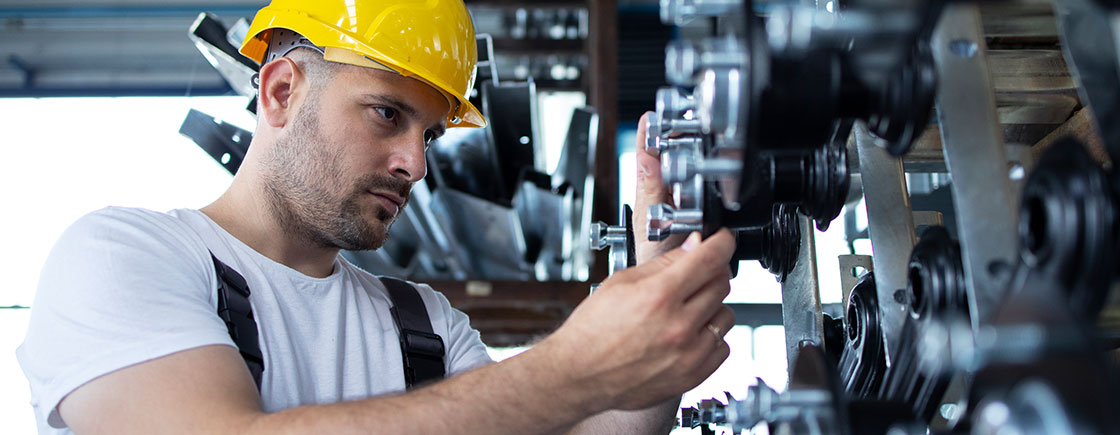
x: 307, y: 194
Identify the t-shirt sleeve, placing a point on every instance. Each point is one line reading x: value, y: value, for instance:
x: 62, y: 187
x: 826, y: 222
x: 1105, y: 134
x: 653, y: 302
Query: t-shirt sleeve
x: 465, y: 350
x: 120, y: 287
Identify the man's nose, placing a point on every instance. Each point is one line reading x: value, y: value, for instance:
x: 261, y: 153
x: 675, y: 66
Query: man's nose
x: 408, y: 160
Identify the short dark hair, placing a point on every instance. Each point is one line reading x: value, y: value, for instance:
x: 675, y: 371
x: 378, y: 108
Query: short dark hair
x: 320, y: 71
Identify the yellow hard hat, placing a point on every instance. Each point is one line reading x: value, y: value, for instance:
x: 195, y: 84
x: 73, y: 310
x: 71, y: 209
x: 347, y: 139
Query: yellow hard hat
x: 430, y: 40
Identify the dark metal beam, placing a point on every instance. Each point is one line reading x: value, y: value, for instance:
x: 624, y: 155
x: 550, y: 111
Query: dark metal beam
x: 76, y: 11
x: 602, y: 46
x: 34, y: 92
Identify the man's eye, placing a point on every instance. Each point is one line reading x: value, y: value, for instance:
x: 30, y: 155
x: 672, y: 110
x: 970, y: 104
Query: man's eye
x: 388, y: 112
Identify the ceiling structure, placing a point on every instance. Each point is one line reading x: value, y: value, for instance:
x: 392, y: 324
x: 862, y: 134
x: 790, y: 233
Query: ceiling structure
x: 140, y: 47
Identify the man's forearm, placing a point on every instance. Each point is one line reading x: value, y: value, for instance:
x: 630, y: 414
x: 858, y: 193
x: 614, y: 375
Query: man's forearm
x: 524, y: 394
x: 659, y: 419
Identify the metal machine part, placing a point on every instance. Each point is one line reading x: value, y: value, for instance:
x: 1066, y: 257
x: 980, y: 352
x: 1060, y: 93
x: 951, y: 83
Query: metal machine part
x: 1090, y: 30
x: 863, y: 361
x: 891, y: 225
x: 1038, y: 369
x: 775, y: 246
x: 494, y: 235
x: 574, y: 169
x: 756, y: 77
x: 225, y: 142
x: 214, y: 40
x: 975, y: 155
x: 802, y: 316
x: 920, y: 374
x: 620, y: 241
x: 814, y: 181
x: 1032, y: 407
x: 545, y: 214
x: 749, y: 82
x: 936, y: 276
x: 1068, y: 228
x: 995, y: 333
x: 811, y: 404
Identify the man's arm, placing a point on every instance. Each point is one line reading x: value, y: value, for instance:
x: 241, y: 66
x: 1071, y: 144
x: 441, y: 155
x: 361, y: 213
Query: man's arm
x: 597, y: 360
x: 209, y: 390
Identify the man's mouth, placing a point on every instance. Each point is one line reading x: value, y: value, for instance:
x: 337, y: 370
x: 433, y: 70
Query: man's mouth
x: 390, y: 201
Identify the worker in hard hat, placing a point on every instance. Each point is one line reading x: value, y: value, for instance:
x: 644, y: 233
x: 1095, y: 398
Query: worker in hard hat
x: 243, y: 317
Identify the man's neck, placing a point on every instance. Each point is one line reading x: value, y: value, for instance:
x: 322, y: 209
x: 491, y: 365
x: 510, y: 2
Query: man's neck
x: 247, y: 217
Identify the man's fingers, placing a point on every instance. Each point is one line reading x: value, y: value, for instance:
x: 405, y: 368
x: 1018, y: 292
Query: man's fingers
x: 650, y: 190
x: 684, y: 270
x: 713, y: 361
x: 724, y: 320
x: 704, y: 303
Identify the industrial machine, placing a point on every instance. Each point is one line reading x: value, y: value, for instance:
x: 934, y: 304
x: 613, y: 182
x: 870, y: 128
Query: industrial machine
x: 987, y: 312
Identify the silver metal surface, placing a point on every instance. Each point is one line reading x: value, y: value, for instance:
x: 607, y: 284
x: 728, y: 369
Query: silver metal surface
x: 661, y: 144
x: 604, y: 236
x: 927, y: 218
x: 679, y: 165
x: 850, y: 265
x: 437, y: 240
x: 545, y: 216
x: 492, y: 234
x: 891, y: 227
x: 576, y: 162
x: 801, y: 298
x: 663, y: 220
x: 681, y: 12
x: 719, y: 103
x: 972, y: 141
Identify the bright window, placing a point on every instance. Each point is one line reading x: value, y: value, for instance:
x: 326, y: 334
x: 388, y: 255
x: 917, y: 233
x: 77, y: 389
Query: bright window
x: 65, y: 157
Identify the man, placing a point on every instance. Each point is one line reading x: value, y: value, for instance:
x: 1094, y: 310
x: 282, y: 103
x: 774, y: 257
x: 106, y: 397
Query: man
x: 125, y: 337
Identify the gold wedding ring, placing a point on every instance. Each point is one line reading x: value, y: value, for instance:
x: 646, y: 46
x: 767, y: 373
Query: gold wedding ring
x: 715, y: 331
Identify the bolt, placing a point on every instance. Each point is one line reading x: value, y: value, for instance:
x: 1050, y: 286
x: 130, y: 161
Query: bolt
x: 603, y: 235
x: 658, y: 218
x: 719, y: 167
x: 672, y: 100
x: 653, y: 133
x: 682, y: 59
x: 677, y: 167
x: 663, y: 221
x: 599, y: 235
x: 659, y: 144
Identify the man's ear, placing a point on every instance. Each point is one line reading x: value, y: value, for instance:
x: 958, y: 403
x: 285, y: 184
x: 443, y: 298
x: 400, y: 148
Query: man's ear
x: 279, y: 80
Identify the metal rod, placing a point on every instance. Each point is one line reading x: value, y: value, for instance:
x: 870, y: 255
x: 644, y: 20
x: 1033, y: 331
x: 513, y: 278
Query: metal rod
x: 972, y: 141
x: 891, y: 228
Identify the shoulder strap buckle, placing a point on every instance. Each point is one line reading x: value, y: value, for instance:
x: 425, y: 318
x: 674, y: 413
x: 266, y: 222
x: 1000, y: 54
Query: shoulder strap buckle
x: 422, y: 350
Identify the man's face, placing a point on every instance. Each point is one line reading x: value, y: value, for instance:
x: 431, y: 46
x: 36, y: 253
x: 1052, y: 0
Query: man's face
x: 341, y: 171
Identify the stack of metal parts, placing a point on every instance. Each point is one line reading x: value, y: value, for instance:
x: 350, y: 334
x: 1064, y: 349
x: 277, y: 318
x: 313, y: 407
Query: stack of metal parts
x: 1001, y: 321
x: 487, y: 210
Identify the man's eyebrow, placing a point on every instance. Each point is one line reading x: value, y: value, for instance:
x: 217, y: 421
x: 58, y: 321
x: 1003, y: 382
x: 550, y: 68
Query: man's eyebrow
x: 390, y: 100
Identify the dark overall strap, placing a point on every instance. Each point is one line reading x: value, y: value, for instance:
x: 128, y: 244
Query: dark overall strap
x: 235, y: 310
x: 421, y: 349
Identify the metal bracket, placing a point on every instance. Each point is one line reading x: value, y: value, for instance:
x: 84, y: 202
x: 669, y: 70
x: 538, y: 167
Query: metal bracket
x: 849, y: 265
x: 225, y: 142
x: 801, y: 298
x: 974, y: 153
x: 890, y: 225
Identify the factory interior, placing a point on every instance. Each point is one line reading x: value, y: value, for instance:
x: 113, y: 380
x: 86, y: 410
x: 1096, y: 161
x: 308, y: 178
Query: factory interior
x: 922, y: 194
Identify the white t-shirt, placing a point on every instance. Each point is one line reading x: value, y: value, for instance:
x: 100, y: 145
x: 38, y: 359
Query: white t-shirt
x: 123, y: 286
